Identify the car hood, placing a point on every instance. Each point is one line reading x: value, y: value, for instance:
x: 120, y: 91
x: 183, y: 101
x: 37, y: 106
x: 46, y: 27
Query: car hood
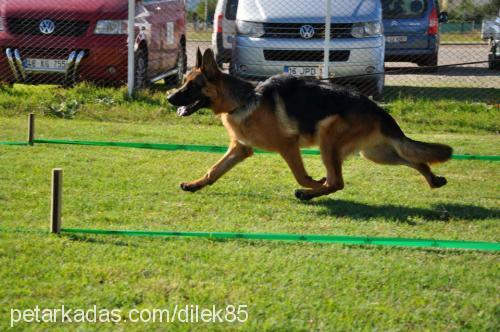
x: 311, y: 11
x: 67, y: 9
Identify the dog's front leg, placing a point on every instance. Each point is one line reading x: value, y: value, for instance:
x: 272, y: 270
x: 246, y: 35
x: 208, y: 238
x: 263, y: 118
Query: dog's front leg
x: 292, y: 156
x: 236, y: 153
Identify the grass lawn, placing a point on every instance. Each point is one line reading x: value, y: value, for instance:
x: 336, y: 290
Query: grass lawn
x: 286, y: 286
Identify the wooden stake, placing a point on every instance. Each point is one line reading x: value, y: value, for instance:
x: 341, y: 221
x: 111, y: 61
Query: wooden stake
x: 57, y: 179
x: 31, y: 128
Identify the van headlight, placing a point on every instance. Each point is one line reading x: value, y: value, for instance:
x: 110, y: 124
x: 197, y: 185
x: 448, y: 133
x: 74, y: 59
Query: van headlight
x: 111, y: 27
x: 251, y: 29
x: 368, y: 29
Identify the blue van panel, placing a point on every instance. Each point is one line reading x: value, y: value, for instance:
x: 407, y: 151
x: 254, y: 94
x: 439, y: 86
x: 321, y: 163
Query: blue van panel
x: 413, y: 31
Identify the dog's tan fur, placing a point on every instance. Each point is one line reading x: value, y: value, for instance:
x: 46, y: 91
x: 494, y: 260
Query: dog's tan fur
x: 273, y: 130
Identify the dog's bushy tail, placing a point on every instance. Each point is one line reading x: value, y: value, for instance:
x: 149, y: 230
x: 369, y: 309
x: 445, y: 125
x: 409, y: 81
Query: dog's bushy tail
x: 421, y: 152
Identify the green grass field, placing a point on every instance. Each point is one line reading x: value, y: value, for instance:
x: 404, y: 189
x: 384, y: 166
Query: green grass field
x: 286, y: 286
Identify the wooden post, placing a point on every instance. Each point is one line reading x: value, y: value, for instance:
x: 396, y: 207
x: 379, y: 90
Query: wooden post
x: 31, y: 128
x: 56, y: 206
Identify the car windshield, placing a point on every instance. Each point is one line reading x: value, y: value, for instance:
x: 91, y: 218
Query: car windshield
x: 231, y: 9
x: 404, y: 8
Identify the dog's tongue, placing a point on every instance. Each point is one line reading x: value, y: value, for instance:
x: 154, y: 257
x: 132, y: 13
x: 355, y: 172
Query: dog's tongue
x: 182, y: 111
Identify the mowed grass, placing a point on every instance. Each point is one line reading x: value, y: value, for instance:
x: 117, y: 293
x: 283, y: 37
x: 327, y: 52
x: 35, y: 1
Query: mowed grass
x: 287, y: 286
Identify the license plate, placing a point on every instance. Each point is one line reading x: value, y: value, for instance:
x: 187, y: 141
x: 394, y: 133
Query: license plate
x: 303, y: 71
x: 47, y: 65
x: 396, y: 39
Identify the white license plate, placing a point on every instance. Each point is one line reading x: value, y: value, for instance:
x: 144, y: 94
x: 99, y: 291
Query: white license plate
x: 48, y: 65
x: 396, y: 39
x: 303, y: 71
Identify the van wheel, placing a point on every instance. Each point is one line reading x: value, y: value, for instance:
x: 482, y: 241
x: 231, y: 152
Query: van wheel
x: 429, y: 61
x: 374, y: 88
x: 220, y: 61
x: 181, y: 68
x: 141, y: 69
x: 492, y: 62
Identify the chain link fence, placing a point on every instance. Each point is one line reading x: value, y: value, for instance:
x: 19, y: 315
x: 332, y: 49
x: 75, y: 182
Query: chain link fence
x: 387, y: 49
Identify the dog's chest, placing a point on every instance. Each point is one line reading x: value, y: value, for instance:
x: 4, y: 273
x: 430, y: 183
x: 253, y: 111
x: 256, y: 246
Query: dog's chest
x: 260, y: 129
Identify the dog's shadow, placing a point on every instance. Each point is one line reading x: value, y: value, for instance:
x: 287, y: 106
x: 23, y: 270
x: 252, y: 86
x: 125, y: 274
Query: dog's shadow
x: 439, y: 212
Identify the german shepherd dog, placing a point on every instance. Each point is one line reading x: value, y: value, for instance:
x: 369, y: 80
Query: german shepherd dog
x: 285, y: 113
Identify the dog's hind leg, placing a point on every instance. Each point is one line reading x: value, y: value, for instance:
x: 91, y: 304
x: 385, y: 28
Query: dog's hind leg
x: 235, y: 154
x: 293, y: 158
x: 385, y: 154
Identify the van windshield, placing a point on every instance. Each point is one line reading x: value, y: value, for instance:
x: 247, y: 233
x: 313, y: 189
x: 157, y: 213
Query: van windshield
x: 404, y: 8
x: 231, y: 9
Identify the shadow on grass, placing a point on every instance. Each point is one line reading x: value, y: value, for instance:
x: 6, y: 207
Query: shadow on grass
x: 100, y: 240
x: 486, y: 95
x: 439, y: 212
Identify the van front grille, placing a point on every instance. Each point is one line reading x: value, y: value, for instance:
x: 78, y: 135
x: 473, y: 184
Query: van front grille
x: 305, y: 55
x: 292, y: 30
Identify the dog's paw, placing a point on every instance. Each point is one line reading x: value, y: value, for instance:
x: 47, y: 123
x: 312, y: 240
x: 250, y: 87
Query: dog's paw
x: 186, y: 186
x: 302, y: 194
x: 438, y: 181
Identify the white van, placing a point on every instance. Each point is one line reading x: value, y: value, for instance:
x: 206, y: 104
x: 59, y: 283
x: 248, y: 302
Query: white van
x: 275, y: 36
x: 224, y: 30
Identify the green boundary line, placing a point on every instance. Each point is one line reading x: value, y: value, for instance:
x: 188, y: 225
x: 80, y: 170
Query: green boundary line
x: 350, y: 240
x: 14, y: 143
x: 202, y: 148
x: 212, y: 148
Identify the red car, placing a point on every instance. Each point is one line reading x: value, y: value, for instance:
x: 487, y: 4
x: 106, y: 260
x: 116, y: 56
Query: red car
x: 54, y: 41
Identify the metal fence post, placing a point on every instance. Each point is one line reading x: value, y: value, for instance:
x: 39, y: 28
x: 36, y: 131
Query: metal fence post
x: 328, y: 26
x: 131, y: 44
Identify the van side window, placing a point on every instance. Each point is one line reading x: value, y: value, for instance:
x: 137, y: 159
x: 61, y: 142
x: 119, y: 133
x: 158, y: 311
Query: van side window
x: 231, y: 9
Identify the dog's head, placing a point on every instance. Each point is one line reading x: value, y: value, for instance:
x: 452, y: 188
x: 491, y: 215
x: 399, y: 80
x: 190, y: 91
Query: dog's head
x: 199, y: 89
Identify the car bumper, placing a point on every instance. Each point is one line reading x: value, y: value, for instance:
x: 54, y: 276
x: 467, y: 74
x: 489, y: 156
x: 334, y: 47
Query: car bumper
x: 104, y: 58
x: 222, y: 53
x: 425, y: 45
x: 364, y: 56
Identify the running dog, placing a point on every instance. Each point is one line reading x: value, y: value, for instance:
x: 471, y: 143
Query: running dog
x: 285, y: 113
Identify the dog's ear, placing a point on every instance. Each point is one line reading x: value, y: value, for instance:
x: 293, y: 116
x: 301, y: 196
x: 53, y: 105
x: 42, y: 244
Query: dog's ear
x: 199, y: 58
x: 209, y: 66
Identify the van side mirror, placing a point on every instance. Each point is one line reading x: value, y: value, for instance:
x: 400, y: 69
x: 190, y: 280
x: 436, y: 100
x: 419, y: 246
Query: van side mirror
x: 443, y: 17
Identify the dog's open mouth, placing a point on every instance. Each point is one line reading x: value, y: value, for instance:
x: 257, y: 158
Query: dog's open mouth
x: 190, y: 109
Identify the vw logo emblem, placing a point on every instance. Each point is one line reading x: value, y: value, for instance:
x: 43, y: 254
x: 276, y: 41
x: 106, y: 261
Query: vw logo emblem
x: 307, y: 31
x: 47, y: 27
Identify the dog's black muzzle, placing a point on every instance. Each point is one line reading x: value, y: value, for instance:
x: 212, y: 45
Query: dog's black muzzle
x: 188, y: 102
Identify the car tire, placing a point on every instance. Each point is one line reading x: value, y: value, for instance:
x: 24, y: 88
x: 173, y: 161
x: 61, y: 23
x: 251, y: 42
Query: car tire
x: 220, y: 62
x: 181, y: 68
x: 429, y: 61
x: 493, y: 64
x: 374, y: 88
x: 141, y: 69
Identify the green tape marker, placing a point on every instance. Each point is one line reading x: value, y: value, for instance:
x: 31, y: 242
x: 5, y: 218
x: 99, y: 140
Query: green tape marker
x: 202, y: 148
x: 13, y: 143
x: 350, y: 240
x: 213, y: 148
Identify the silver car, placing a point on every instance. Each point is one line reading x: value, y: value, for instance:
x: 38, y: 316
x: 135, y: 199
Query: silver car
x: 274, y: 36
